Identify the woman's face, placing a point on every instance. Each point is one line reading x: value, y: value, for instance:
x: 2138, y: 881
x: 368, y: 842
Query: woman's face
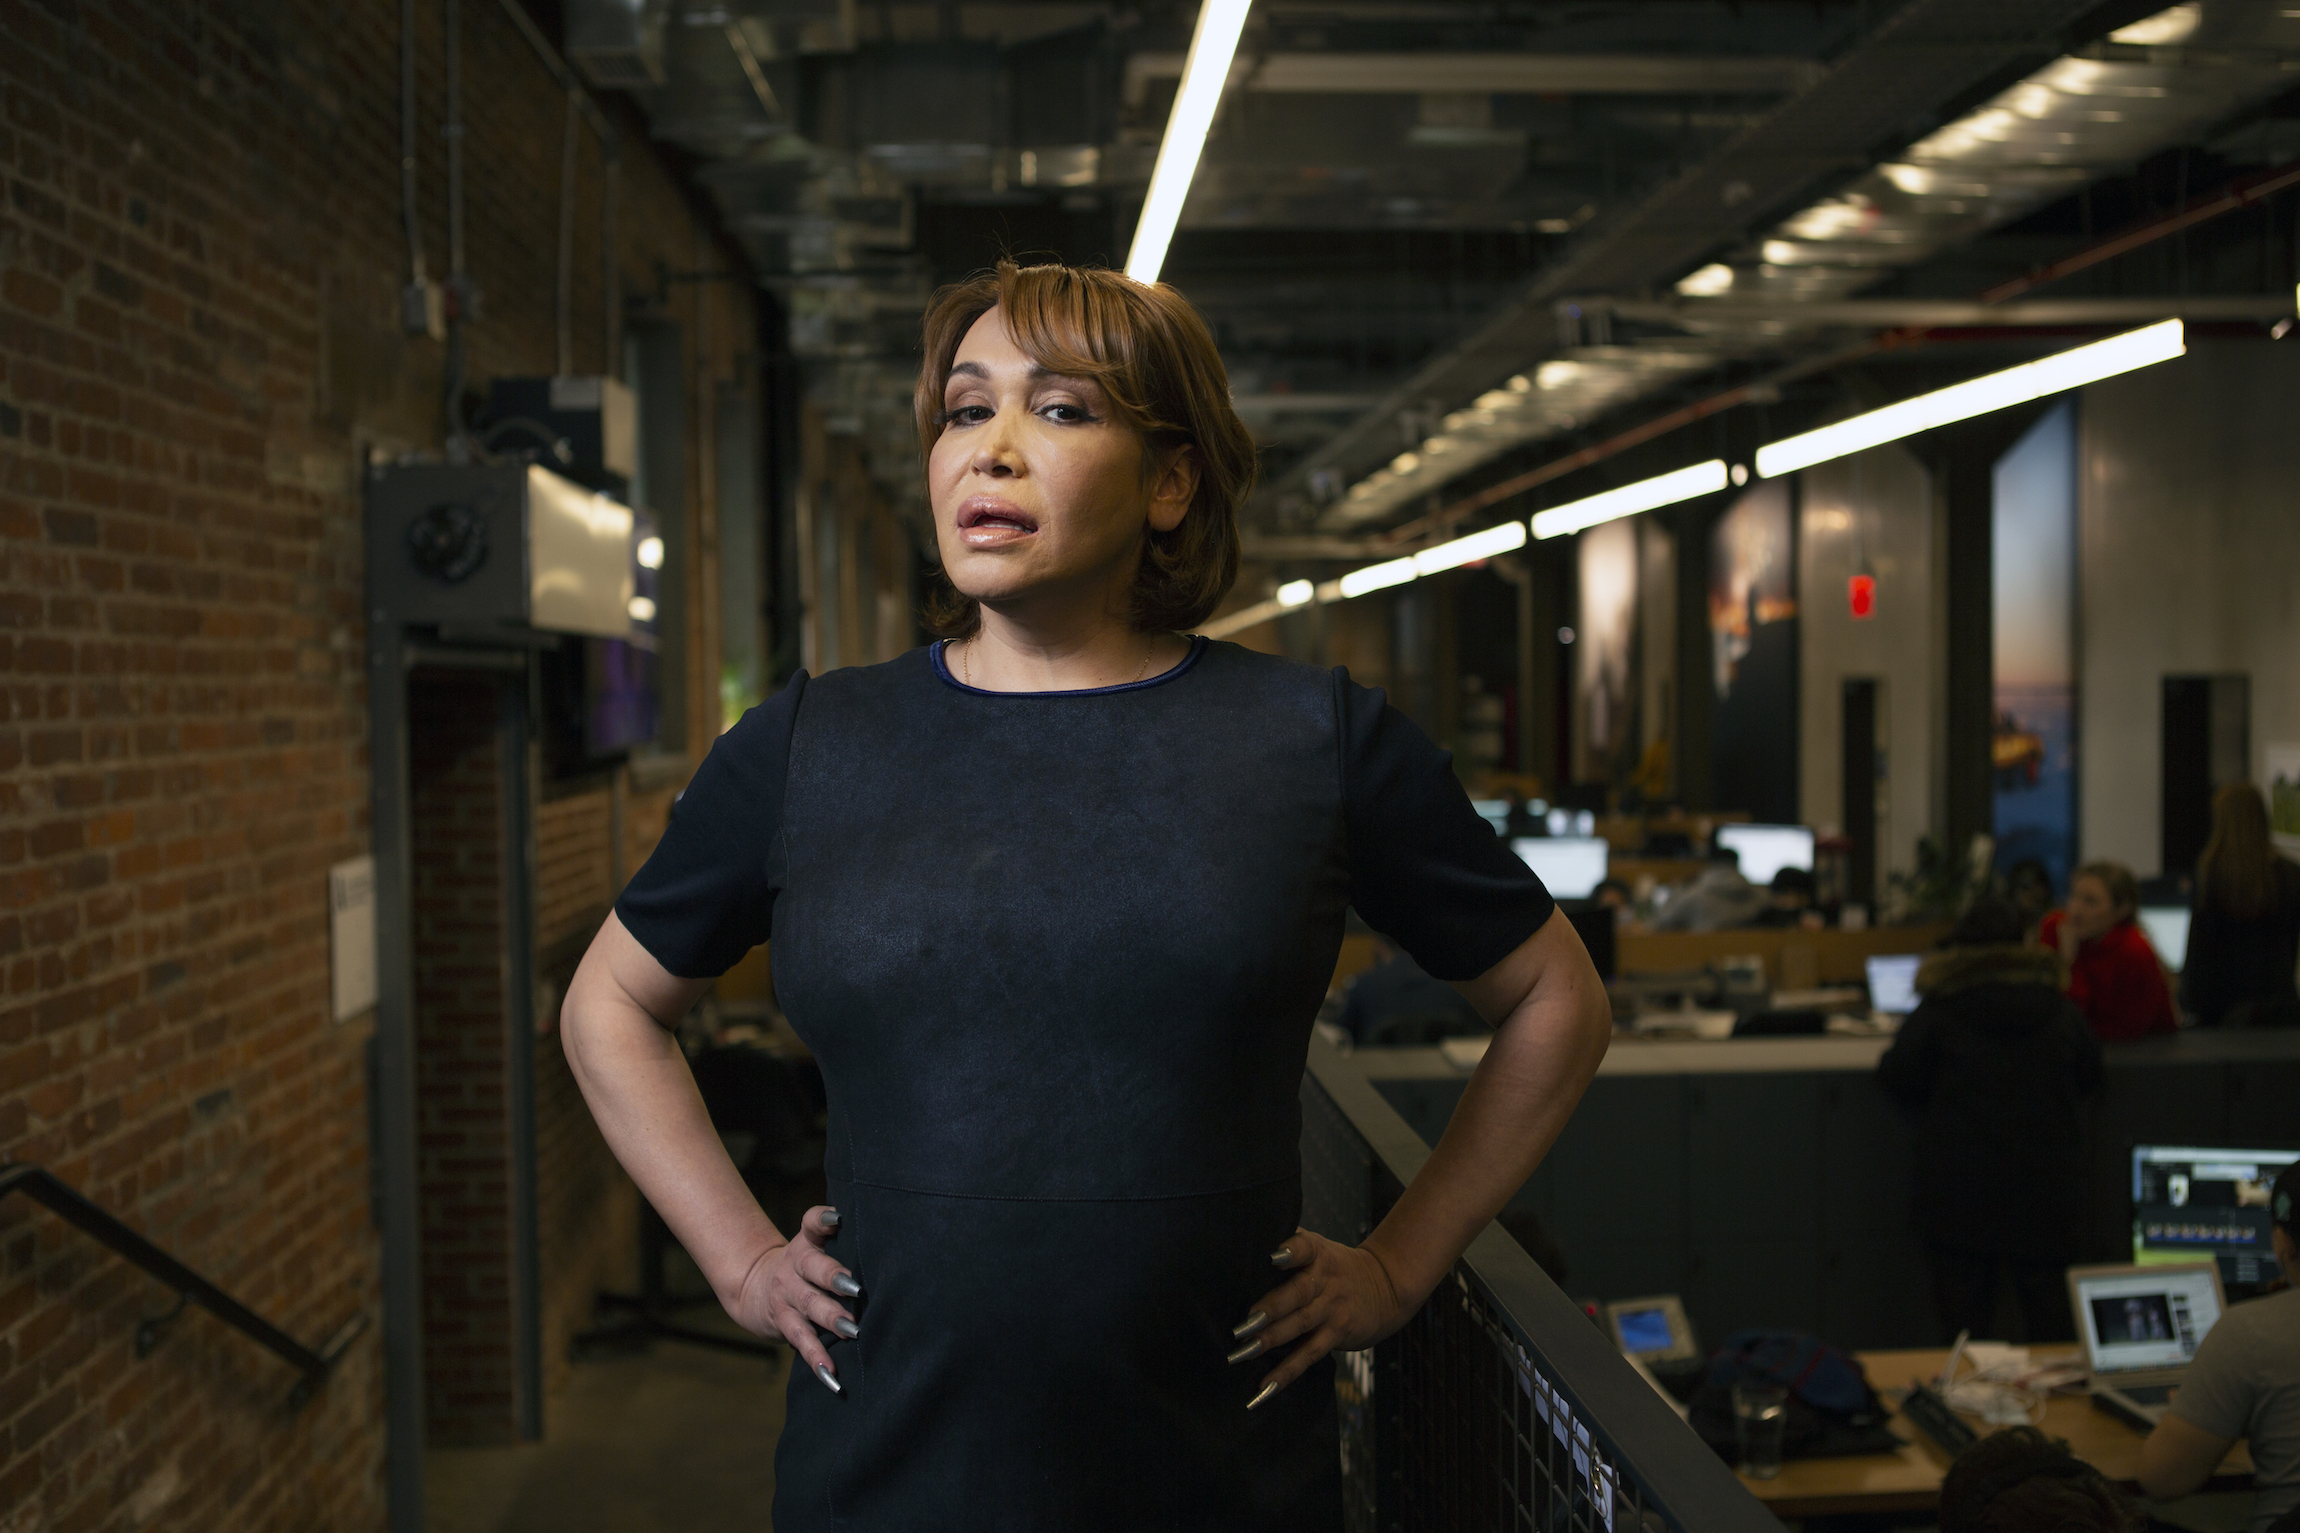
x: 2091, y: 913
x: 1039, y: 490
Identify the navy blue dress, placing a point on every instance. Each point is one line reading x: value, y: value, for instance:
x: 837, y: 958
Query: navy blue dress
x: 1058, y: 955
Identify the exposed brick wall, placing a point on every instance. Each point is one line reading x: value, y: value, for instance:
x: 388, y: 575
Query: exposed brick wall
x: 200, y: 255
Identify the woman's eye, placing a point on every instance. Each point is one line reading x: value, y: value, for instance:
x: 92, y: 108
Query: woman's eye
x: 1068, y: 414
x: 965, y: 415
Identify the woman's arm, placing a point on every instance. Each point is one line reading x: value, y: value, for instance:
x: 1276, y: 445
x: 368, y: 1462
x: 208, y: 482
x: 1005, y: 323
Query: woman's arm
x: 1552, y: 1025
x: 616, y: 1028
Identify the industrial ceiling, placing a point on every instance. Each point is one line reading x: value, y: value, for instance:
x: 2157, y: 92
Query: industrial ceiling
x: 1436, y: 240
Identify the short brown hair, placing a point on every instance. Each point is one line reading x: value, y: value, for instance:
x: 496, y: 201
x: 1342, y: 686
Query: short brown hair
x: 1155, y: 361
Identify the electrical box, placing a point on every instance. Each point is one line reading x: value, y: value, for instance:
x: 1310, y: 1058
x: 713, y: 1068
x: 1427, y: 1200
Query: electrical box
x: 598, y: 419
x: 510, y: 545
x: 618, y: 44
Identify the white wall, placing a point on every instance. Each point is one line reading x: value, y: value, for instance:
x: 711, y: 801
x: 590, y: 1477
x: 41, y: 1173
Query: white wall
x: 1878, y: 504
x: 2188, y: 562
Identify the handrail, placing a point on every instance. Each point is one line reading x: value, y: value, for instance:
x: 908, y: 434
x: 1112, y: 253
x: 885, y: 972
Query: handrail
x: 1537, y: 1342
x: 68, y: 1204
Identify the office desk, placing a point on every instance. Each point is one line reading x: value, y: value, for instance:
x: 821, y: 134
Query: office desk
x: 1910, y: 1480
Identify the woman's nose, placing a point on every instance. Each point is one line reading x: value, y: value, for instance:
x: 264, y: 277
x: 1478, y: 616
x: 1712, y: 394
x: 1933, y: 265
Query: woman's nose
x: 995, y: 450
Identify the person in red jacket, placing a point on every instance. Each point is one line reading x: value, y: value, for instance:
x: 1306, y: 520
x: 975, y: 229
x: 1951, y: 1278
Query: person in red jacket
x: 2112, y: 973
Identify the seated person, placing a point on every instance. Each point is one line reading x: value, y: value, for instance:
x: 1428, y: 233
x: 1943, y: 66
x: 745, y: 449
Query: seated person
x: 1993, y: 1064
x: 1789, y: 902
x: 2021, y: 1481
x: 1397, y: 1004
x: 2244, y: 1383
x: 1719, y: 900
x: 2110, y: 970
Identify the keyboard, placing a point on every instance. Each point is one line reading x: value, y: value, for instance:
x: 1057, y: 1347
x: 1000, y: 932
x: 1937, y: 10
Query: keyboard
x: 1930, y: 1414
x: 2146, y: 1394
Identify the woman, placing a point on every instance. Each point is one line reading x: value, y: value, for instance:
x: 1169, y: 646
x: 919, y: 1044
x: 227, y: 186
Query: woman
x: 1994, y: 1062
x: 1055, y: 902
x: 2111, y: 972
x: 2244, y: 935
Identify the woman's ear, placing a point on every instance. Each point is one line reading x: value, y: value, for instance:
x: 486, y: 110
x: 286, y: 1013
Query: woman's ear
x: 1174, y: 488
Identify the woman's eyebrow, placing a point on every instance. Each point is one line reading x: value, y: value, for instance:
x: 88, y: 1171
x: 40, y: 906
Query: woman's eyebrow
x: 1038, y: 371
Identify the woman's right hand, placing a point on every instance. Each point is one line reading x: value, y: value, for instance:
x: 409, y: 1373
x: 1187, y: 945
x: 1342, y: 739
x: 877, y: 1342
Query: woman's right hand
x: 796, y: 1287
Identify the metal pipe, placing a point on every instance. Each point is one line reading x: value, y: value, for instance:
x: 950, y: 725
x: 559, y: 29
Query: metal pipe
x: 452, y: 23
x: 2242, y: 192
x: 513, y: 735
x: 394, y: 1084
x: 407, y: 208
x: 610, y: 275
x: 565, y: 301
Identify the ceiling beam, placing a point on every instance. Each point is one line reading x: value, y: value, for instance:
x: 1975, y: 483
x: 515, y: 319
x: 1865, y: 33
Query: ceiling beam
x: 1521, y: 74
x: 1938, y: 313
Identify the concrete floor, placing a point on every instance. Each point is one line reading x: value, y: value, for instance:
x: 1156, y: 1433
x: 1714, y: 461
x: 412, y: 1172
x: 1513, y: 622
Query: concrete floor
x: 669, y: 1439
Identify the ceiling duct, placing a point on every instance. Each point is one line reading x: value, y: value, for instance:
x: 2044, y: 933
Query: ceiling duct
x: 2079, y: 116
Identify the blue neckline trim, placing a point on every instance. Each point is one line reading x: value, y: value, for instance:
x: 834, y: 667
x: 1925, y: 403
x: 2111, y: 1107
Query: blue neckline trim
x: 1198, y: 643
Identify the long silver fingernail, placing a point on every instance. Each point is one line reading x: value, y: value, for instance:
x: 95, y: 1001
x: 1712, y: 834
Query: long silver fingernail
x: 1281, y: 1256
x: 846, y: 1287
x: 1250, y: 1325
x: 1246, y: 1351
x: 823, y: 1372
x: 846, y: 1328
x: 1268, y: 1390
x: 831, y: 1217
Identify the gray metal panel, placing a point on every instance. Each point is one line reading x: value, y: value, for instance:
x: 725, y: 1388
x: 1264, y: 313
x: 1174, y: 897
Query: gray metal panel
x: 1618, y: 1187
x: 464, y: 515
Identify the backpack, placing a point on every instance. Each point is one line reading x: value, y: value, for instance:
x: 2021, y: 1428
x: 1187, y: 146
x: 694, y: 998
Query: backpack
x: 1832, y: 1410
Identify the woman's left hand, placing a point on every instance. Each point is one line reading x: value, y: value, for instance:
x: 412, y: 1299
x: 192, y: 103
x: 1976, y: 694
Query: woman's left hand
x: 1339, y: 1298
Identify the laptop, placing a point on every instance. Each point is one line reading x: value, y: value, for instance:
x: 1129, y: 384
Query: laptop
x: 2140, y: 1327
x: 1893, y: 983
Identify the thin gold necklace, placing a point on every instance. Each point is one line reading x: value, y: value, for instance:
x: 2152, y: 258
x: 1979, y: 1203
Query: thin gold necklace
x: 966, y: 662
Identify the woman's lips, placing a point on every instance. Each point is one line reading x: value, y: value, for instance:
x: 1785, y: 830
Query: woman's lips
x: 986, y: 522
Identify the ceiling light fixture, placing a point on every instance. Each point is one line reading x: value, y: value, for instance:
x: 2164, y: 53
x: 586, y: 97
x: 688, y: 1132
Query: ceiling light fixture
x: 1630, y: 499
x: 1213, y: 43
x: 1375, y: 577
x: 1478, y: 545
x: 1978, y: 396
x: 1296, y: 593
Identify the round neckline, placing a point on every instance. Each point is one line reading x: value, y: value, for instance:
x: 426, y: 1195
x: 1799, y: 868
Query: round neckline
x: 1198, y: 643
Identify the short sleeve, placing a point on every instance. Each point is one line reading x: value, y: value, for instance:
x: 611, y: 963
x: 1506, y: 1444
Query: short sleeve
x: 2216, y: 1392
x: 707, y: 895
x: 1426, y: 869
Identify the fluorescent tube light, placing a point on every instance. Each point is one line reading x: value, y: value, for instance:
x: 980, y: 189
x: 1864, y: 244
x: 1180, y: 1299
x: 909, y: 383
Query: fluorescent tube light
x: 1978, y: 396
x: 1375, y: 576
x: 1645, y: 495
x: 1296, y: 593
x: 1213, y: 43
x: 1478, y: 545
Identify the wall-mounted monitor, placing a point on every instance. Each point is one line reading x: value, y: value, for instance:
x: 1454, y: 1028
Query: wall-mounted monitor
x: 2190, y: 1202
x: 1765, y: 850
x: 1571, y: 867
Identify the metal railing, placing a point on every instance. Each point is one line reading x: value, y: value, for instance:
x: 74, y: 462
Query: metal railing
x: 66, y: 1203
x: 1499, y: 1406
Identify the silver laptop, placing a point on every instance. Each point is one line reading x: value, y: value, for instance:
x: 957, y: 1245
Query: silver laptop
x: 2141, y: 1327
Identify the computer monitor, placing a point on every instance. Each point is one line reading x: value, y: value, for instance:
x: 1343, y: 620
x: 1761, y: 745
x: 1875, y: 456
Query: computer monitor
x: 2190, y: 1202
x: 1766, y: 849
x: 1571, y: 867
x: 1893, y: 982
x: 2167, y: 928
